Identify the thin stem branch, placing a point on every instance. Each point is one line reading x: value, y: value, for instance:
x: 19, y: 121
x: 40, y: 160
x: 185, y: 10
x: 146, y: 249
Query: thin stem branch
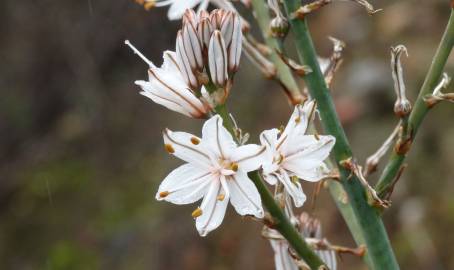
x: 284, y: 74
x: 368, y: 228
x: 420, y: 109
x: 280, y: 221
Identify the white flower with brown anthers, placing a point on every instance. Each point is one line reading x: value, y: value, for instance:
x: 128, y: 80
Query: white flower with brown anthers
x: 167, y: 87
x: 216, y: 171
x: 293, y: 155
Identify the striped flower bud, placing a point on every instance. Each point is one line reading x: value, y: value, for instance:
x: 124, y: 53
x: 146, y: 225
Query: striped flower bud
x: 217, y: 59
x: 184, y: 62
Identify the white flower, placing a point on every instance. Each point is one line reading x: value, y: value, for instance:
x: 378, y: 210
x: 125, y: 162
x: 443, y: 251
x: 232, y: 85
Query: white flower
x: 294, y: 155
x: 311, y: 231
x: 216, y: 171
x: 167, y: 87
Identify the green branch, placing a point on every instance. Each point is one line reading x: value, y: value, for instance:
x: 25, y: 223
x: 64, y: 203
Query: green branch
x: 369, y: 229
x: 420, y: 109
x: 280, y: 221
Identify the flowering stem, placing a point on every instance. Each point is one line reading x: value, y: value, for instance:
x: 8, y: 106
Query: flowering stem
x: 280, y: 221
x: 284, y: 74
x: 420, y: 109
x: 368, y: 229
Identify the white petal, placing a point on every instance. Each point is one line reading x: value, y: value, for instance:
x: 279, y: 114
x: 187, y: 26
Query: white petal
x: 249, y: 157
x: 169, y: 86
x: 271, y: 178
x: 268, y: 138
x: 213, y: 209
x: 170, y: 64
x: 297, y: 124
x: 182, y: 145
x: 311, y: 148
x: 186, y: 184
x: 244, y: 196
x: 216, y: 137
x: 309, y: 156
x: 169, y: 104
x: 217, y: 59
x: 282, y: 259
x: 294, y: 189
x: 178, y: 8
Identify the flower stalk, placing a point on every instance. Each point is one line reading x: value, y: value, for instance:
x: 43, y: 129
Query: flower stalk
x: 368, y: 228
x: 420, y: 108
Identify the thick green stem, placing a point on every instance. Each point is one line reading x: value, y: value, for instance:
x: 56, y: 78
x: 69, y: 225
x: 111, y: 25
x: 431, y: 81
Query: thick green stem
x: 420, y: 109
x: 280, y: 221
x: 284, y: 74
x: 369, y: 229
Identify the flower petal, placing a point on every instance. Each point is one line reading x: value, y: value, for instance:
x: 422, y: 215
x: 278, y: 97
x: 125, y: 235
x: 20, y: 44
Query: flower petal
x: 268, y: 138
x: 178, y: 8
x: 282, y: 259
x: 293, y: 188
x: 248, y: 157
x: 216, y: 137
x: 213, y: 209
x: 244, y: 196
x: 308, y: 156
x: 187, y: 147
x: 297, y: 124
x: 186, y: 184
x: 168, y: 103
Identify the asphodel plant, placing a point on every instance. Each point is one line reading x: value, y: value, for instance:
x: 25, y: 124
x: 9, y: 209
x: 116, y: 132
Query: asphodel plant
x: 264, y: 180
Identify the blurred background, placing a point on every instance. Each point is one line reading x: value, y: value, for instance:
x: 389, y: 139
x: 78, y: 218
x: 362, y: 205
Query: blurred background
x: 81, y: 152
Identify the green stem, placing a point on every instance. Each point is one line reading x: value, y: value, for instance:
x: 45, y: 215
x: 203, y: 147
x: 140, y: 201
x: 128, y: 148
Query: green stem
x: 336, y: 190
x: 369, y: 229
x: 284, y: 73
x: 420, y: 109
x: 281, y: 222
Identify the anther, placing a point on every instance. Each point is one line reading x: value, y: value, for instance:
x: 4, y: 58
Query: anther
x: 220, y: 197
x: 234, y: 166
x: 195, y: 140
x: 169, y: 148
x: 163, y: 194
x: 197, y: 212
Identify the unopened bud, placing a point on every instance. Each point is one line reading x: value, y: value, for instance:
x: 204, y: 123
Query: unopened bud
x: 279, y: 27
x: 217, y: 59
x: 402, y: 106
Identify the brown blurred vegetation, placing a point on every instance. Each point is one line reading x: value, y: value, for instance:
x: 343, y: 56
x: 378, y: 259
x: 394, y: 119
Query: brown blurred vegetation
x: 81, y: 152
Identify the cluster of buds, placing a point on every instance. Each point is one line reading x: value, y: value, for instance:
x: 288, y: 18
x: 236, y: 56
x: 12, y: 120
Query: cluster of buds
x: 209, y: 47
x: 198, y: 75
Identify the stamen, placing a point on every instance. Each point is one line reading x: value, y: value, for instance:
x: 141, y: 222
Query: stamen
x: 136, y: 51
x: 220, y: 197
x: 163, y: 194
x: 195, y: 140
x: 234, y: 166
x: 197, y: 212
x: 169, y: 148
x: 294, y: 179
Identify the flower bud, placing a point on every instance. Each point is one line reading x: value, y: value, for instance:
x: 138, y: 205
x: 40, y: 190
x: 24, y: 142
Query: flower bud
x: 217, y: 59
x: 279, y: 27
x: 184, y: 64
